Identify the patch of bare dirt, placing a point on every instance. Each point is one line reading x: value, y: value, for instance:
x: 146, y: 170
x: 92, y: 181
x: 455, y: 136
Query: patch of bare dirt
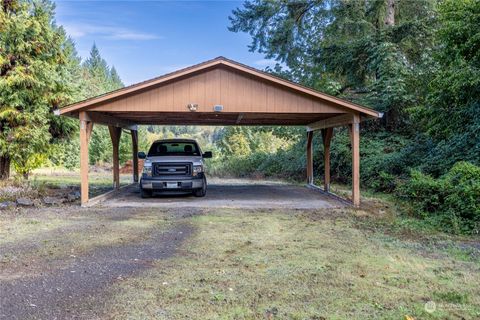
x: 75, y: 290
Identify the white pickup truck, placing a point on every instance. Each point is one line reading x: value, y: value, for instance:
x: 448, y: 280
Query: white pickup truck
x: 174, y: 166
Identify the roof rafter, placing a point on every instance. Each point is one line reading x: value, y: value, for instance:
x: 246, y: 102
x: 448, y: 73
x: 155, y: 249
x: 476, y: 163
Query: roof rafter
x: 101, y: 118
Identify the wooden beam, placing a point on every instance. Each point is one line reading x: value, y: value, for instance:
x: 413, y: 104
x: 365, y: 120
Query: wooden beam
x: 109, y: 120
x: 309, y: 157
x: 327, y: 138
x: 134, y: 134
x: 336, y: 121
x: 84, y: 137
x: 354, y: 129
x: 115, y: 133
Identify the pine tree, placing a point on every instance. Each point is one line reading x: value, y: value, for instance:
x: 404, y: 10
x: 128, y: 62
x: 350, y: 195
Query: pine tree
x: 33, y: 69
x: 97, y: 72
x: 99, y: 79
x: 114, y: 80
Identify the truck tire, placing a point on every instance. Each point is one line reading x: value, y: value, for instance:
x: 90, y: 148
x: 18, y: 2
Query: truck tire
x: 145, y: 193
x: 202, y: 191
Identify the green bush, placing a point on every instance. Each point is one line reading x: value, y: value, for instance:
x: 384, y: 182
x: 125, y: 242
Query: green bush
x: 454, y: 199
x: 464, y: 199
x: 424, y: 193
x: 385, y: 182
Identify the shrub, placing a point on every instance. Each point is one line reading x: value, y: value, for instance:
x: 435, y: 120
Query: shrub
x: 424, y: 193
x: 385, y: 182
x: 463, y: 181
x: 454, y: 199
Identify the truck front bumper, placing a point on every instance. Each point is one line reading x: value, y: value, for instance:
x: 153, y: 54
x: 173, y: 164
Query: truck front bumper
x: 172, y: 184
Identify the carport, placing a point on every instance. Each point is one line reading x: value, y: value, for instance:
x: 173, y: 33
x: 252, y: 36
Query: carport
x: 219, y: 92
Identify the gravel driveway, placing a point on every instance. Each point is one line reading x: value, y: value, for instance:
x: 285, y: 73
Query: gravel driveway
x: 233, y: 193
x: 75, y: 286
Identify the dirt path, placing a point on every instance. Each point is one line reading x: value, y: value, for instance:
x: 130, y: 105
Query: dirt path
x: 75, y: 291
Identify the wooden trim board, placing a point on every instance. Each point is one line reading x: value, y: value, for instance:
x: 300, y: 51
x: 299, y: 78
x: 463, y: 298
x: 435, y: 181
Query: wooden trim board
x: 107, y: 195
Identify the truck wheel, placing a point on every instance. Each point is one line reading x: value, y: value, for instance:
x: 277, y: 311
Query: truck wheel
x: 202, y: 191
x: 145, y: 193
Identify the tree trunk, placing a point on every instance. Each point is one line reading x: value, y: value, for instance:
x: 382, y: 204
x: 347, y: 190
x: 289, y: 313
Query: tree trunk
x: 390, y: 13
x: 4, y: 167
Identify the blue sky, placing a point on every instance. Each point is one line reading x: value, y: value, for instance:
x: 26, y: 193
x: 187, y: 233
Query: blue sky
x: 145, y: 39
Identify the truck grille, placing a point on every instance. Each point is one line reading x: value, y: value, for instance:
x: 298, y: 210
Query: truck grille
x: 172, y: 169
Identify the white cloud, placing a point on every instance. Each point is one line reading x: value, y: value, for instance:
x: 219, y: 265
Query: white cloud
x: 107, y: 32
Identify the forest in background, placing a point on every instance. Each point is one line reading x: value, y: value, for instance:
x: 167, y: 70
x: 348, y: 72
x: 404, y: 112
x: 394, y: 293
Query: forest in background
x: 416, y: 61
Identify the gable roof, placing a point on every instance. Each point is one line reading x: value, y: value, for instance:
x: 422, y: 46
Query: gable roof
x: 219, y: 61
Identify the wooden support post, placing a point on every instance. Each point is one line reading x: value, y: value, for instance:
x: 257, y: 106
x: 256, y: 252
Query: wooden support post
x: 354, y: 129
x: 134, y: 134
x: 309, y: 157
x: 115, y: 133
x: 86, y: 128
x: 327, y: 138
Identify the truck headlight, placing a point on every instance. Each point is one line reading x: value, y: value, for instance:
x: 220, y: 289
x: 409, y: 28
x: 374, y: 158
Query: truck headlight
x: 197, y: 170
x: 147, y: 171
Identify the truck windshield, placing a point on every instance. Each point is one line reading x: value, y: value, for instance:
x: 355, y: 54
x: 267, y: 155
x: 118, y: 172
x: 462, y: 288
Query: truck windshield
x: 173, y: 149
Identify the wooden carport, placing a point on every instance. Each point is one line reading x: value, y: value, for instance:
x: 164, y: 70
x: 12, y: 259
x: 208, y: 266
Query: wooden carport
x: 219, y: 92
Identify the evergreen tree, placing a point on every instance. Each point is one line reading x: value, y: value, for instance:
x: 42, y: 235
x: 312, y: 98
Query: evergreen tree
x: 34, y: 73
x: 97, y: 73
x: 114, y: 81
x: 70, y: 86
x: 370, y: 51
x: 99, y: 78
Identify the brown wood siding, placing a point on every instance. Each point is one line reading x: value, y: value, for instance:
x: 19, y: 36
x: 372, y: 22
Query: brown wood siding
x: 235, y: 91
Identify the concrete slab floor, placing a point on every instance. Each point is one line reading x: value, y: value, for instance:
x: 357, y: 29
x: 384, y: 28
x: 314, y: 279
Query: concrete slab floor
x: 232, y: 193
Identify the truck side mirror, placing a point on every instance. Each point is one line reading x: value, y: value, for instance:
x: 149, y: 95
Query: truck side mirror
x: 207, y: 155
x: 142, y: 155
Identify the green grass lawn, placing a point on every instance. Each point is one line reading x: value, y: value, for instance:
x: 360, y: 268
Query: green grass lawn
x: 320, y: 265
x: 100, y: 181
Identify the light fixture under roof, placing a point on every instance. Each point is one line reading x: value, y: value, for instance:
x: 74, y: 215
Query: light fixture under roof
x: 192, y: 107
